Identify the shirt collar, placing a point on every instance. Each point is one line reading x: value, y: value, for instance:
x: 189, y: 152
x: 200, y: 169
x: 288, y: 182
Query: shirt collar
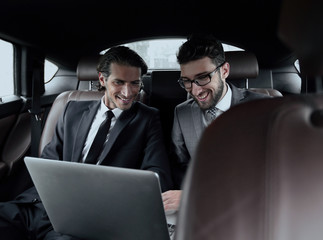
x: 225, y: 102
x: 103, y: 109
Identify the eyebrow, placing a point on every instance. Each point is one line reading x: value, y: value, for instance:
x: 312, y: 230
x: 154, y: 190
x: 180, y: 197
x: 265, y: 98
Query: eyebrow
x: 196, y: 75
x: 117, y: 79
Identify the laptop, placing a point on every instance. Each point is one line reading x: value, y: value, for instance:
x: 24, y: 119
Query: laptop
x: 97, y: 202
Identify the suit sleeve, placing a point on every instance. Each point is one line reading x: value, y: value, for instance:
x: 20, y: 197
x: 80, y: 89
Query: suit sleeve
x: 155, y: 155
x: 178, y: 153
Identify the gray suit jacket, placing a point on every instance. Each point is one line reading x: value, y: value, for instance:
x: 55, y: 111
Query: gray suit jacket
x: 188, y: 128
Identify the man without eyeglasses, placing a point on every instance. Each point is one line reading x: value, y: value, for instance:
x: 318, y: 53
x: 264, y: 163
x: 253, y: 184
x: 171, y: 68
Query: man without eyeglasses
x: 132, y: 139
x: 203, y: 75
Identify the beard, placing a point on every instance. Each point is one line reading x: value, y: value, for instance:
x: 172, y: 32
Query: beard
x: 216, y: 96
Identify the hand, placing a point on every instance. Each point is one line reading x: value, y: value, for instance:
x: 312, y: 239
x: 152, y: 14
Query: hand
x: 171, y: 200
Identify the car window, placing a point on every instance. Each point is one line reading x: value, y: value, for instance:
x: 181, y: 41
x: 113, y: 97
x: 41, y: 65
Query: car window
x: 161, y: 53
x: 49, y: 71
x: 296, y: 64
x: 6, y: 69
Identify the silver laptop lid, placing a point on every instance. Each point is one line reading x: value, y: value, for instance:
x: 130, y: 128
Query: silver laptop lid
x: 100, y: 202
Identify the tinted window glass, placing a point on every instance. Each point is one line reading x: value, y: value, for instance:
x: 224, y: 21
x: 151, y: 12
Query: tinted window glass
x: 161, y: 53
x: 49, y: 71
x: 6, y: 69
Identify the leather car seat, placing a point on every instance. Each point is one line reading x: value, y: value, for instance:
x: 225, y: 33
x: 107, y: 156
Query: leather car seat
x: 257, y: 174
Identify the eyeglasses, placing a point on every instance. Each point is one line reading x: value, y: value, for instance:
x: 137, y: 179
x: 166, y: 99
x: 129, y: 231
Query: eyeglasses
x: 201, y: 80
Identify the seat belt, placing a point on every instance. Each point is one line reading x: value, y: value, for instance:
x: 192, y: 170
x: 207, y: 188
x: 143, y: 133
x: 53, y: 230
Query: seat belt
x: 36, y: 121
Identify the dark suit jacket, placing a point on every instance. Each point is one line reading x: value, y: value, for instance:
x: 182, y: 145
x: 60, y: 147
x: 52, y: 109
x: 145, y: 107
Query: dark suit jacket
x: 136, y: 140
x: 188, y: 128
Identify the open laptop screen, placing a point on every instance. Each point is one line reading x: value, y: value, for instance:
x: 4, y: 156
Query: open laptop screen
x: 99, y: 202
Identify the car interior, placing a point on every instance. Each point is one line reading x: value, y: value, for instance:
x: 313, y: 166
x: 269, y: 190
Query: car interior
x: 273, y: 191
x: 266, y: 180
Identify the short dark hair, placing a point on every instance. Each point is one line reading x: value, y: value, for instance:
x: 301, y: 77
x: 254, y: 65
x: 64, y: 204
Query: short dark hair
x: 199, y: 46
x: 121, y: 55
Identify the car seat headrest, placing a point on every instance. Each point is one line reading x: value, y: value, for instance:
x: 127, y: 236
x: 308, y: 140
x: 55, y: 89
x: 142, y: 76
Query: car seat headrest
x: 243, y: 65
x: 86, y: 68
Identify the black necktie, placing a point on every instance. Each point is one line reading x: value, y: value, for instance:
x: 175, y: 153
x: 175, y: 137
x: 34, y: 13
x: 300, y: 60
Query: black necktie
x: 99, y: 139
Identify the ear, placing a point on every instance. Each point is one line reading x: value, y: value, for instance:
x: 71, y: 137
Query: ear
x: 101, y: 79
x: 141, y: 86
x: 225, y: 70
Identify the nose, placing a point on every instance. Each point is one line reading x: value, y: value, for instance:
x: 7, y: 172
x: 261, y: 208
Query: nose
x: 126, y: 90
x: 195, y: 90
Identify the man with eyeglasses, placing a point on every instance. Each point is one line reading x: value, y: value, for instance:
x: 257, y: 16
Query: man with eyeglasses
x: 203, y: 75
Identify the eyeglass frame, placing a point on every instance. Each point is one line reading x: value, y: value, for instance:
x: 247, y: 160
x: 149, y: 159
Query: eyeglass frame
x: 210, y: 75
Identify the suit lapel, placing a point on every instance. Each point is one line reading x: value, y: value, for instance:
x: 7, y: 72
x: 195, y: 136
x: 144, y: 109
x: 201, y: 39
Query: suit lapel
x: 197, y: 121
x: 237, y: 96
x: 83, y: 130
x: 120, y: 124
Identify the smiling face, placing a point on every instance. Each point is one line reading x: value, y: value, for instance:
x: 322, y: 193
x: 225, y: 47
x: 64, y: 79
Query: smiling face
x: 209, y: 95
x: 122, y: 86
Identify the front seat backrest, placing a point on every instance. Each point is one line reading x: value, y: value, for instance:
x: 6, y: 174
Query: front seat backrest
x: 257, y: 174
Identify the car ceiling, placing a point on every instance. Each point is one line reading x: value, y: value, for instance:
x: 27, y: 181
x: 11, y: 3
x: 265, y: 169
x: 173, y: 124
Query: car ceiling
x: 67, y: 30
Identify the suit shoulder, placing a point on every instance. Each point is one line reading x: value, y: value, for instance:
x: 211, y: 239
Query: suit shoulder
x: 185, y: 104
x: 79, y: 106
x: 145, y: 108
x: 82, y: 103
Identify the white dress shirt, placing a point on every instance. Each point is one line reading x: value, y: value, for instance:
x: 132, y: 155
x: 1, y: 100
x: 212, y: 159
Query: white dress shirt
x: 222, y: 106
x: 98, y: 119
